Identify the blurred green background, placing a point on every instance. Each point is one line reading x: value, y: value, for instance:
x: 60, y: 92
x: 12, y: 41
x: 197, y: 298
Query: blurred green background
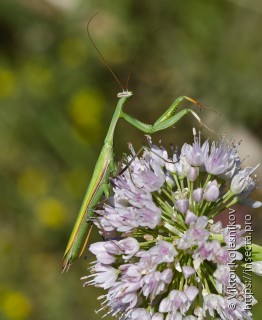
x: 56, y: 101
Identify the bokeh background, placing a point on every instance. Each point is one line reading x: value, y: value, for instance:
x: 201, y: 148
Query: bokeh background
x: 56, y: 101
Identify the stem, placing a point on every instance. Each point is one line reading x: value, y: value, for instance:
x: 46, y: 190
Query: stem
x: 177, y: 182
x: 207, y: 180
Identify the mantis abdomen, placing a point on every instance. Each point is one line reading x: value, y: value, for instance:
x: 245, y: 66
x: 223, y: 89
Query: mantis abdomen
x: 82, y: 227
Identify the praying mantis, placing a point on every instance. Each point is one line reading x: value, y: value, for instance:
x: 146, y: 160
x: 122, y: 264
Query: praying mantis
x: 104, y: 167
x: 99, y: 183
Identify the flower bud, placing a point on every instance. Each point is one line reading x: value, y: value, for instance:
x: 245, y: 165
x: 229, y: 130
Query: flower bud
x: 198, y: 194
x: 182, y: 205
x: 192, y: 174
x: 212, y: 193
x: 171, y: 167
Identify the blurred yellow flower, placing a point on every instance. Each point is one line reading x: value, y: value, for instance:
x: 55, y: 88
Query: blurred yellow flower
x: 86, y: 109
x: 51, y: 212
x: 15, y: 305
x: 32, y: 182
x: 7, y: 83
x: 73, y: 52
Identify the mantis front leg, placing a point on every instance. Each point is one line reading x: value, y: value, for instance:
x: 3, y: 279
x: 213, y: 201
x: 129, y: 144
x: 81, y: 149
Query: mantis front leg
x: 166, y: 120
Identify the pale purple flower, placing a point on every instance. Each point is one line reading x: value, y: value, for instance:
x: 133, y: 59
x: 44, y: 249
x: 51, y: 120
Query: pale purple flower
x: 171, y: 167
x: 220, y: 158
x: 130, y: 246
x: 207, y: 251
x: 212, y: 251
x: 154, y: 283
x: 233, y: 164
x: 213, y: 303
x: 163, y: 251
x: 148, y: 216
x: 103, y: 276
x: 112, y: 247
x: 196, y: 153
x: 221, y: 256
x: 212, y: 191
x: 240, y: 312
x: 191, y: 292
x: 195, y: 235
x: 188, y: 271
x: 233, y: 236
x: 126, y: 218
x: 222, y: 275
x: 242, y: 182
x: 131, y: 273
x: 155, y: 154
x: 101, y: 253
x: 144, y: 177
x: 177, y: 302
x: 123, y: 295
x: 165, y: 258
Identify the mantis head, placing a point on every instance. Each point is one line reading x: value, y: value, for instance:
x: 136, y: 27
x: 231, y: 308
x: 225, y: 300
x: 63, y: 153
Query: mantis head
x: 124, y: 94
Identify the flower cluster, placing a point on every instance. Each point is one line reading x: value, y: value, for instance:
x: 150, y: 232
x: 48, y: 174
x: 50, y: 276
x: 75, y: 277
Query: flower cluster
x: 165, y: 257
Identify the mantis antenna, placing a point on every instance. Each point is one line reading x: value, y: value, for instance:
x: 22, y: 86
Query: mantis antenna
x: 100, y: 54
x: 125, y: 92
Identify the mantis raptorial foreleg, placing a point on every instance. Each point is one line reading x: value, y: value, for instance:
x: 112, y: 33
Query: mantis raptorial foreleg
x: 166, y: 120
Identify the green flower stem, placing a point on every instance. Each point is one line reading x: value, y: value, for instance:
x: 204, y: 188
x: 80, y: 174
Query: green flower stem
x: 182, y: 183
x: 234, y: 201
x: 173, y: 229
x: 177, y: 182
x: 145, y: 244
x: 190, y: 190
x: 207, y: 180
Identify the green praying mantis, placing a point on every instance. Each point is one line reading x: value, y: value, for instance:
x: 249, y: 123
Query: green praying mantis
x: 105, y: 166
